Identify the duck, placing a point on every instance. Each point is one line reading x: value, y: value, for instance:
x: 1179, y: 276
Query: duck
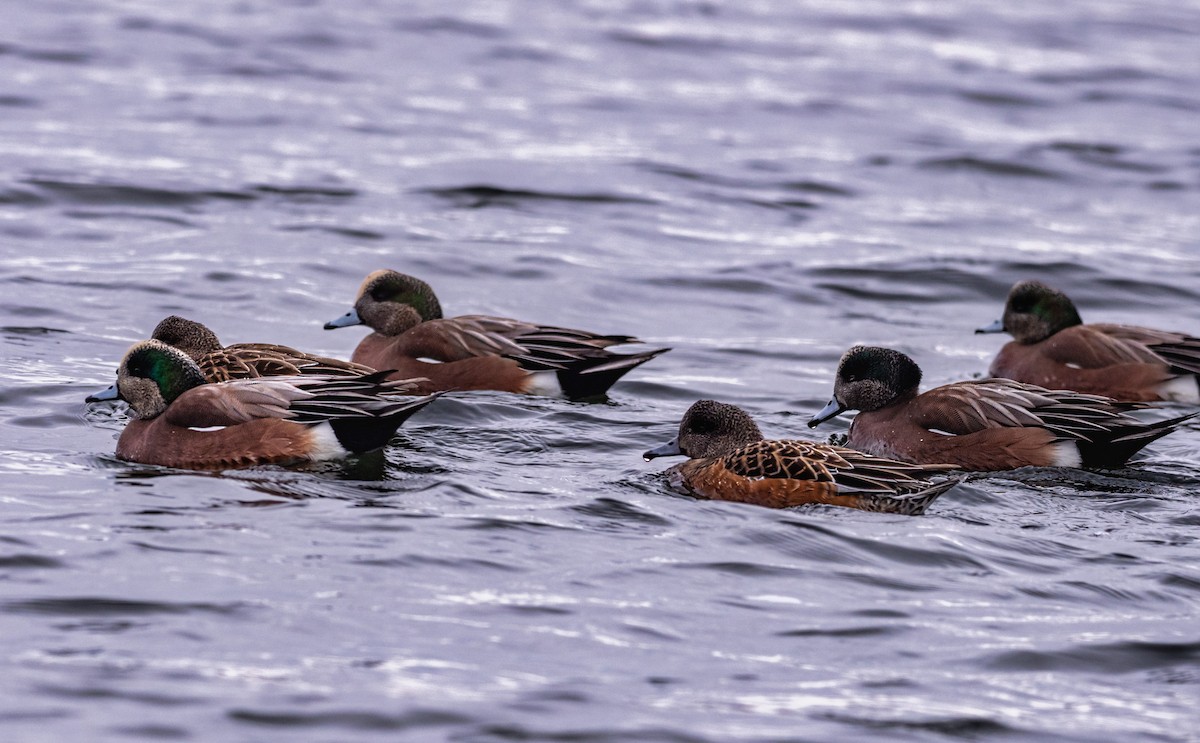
x: 221, y: 363
x: 479, y: 352
x: 1052, y: 347
x: 981, y: 425
x: 729, y: 459
x: 180, y: 420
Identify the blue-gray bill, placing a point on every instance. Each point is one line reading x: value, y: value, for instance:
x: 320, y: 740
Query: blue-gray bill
x: 996, y: 327
x: 669, y: 449
x: 345, y: 321
x: 832, y: 409
x: 108, y: 394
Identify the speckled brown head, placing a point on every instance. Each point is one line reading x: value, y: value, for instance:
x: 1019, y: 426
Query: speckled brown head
x: 390, y: 302
x: 870, y: 378
x: 189, y: 336
x: 710, y: 429
x: 1034, y: 312
x: 151, y: 376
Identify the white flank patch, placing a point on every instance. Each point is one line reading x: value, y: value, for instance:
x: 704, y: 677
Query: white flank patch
x: 1066, y: 454
x: 545, y: 383
x: 941, y: 432
x: 206, y: 429
x: 325, y: 443
x: 1181, y: 389
x: 1072, y: 365
x: 428, y: 360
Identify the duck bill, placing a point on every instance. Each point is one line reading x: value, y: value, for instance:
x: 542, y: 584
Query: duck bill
x: 996, y: 327
x: 669, y: 449
x: 109, y: 394
x: 345, y: 321
x: 834, y: 408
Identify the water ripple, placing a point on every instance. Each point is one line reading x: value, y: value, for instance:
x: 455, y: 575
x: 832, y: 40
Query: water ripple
x: 87, y: 606
x: 1107, y: 658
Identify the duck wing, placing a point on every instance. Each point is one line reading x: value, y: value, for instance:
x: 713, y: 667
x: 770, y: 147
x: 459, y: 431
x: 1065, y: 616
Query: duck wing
x: 967, y: 407
x: 535, y: 347
x: 304, y: 399
x: 850, y: 469
x: 1099, y: 345
x: 252, y: 360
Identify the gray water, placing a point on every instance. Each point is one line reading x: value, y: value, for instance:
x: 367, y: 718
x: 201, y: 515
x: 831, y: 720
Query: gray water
x: 758, y: 185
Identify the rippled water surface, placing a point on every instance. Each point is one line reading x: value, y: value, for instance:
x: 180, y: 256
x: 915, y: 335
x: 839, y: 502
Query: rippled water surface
x: 755, y: 184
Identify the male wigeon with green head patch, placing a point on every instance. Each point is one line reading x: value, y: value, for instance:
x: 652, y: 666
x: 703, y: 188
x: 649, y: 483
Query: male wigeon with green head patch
x: 479, y: 352
x: 1052, y: 347
x: 180, y: 420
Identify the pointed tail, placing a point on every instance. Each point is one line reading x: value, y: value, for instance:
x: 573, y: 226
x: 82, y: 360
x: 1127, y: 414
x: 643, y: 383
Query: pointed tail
x: 910, y: 504
x: 1122, y: 442
x: 593, y: 376
x: 365, y: 434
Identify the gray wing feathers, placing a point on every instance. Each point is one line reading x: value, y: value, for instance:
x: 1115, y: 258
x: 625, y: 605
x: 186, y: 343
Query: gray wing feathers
x: 967, y: 407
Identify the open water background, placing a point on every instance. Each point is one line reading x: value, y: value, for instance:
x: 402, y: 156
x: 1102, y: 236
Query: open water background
x: 756, y: 184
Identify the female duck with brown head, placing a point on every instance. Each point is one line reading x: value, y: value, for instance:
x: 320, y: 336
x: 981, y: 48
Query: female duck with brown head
x: 245, y: 360
x: 728, y: 459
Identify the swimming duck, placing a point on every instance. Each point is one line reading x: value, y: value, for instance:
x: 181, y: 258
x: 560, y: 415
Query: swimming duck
x: 728, y: 459
x: 245, y: 360
x: 1053, y: 348
x: 181, y: 420
x: 478, y: 352
x: 985, y: 424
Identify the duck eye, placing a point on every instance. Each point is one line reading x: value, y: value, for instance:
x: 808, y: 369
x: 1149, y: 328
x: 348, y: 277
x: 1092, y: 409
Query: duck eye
x: 1022, y: 304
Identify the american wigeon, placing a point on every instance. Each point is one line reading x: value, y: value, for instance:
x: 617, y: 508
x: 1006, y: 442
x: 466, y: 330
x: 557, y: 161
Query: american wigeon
x: 245, y: 360
x: 477, y: 352
x: 179, y: 420
x: 985, y: 424
x: 1053, y: 348
x: 728, y: 459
